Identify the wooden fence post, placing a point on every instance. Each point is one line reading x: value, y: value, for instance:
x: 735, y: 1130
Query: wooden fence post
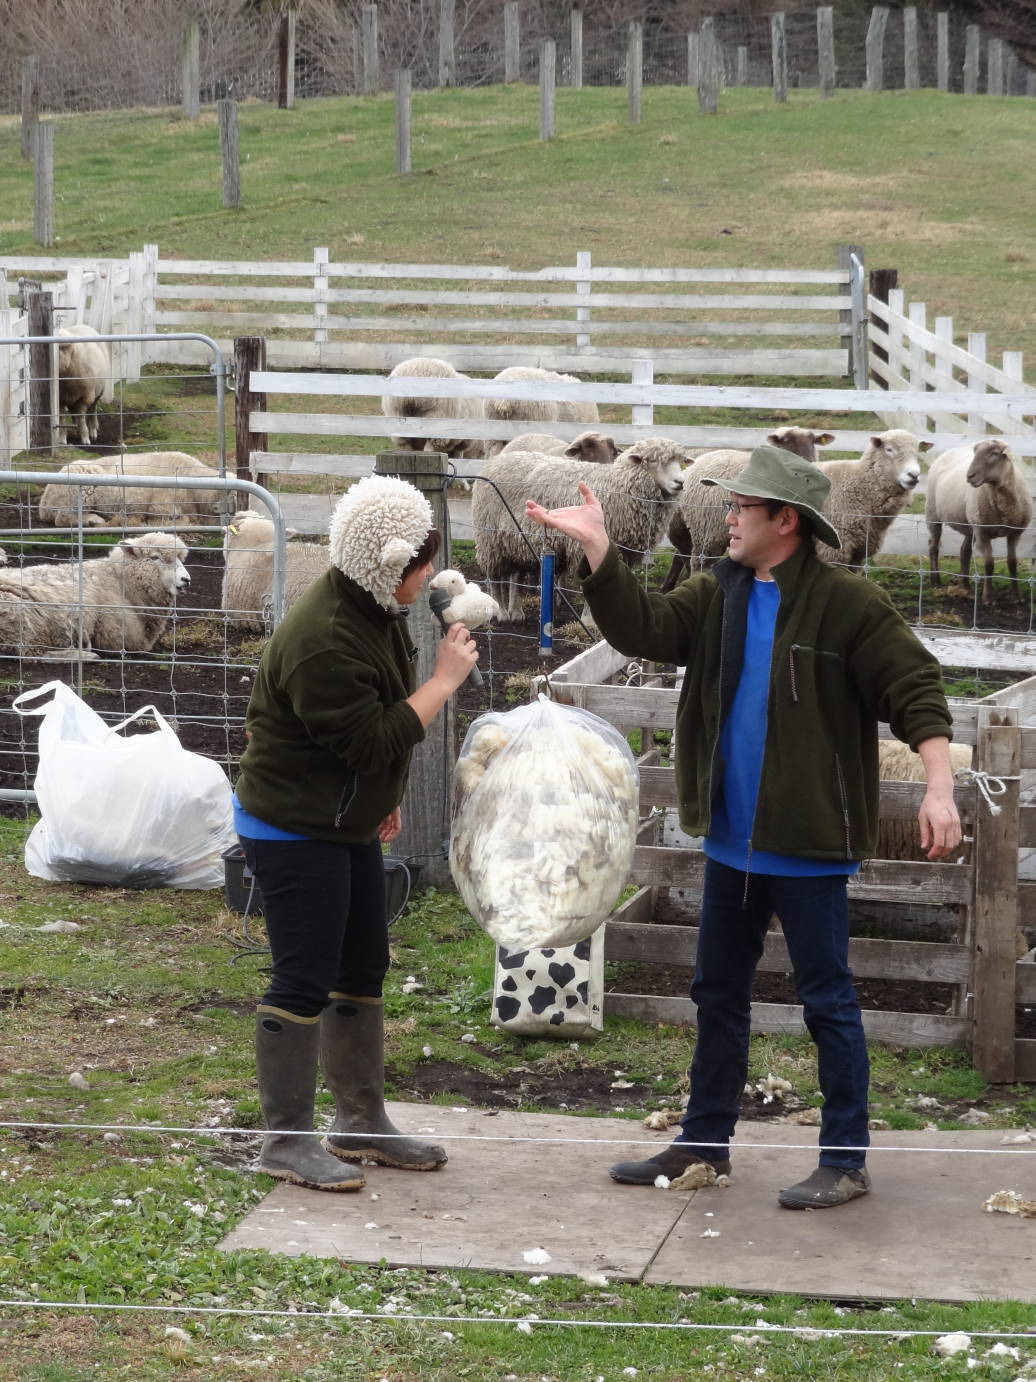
x: 911, y: 67
x: 357, y: 37
x: 447, y: 54
x: 881, y: 282
x: 942, y: 50
x: 693, y: 57
x: 43, y: 201
x: 634, y: 68
x: 779, y: 56
x: 575, y: 30
x: 1030, y: 83
x: 972, y: 51
x: 512, y: 42
x: 30, y: 103
x: 369, y: 30
x: 426, y: 805
x: 977, y: 346
x: 226, y: 112
x: 403, y: 109
x: 826, y: 49
x: 876, y: 48
x: 741, y: 77
x: 190, y: 68
x: 321, y: 259
x: 39, y: 310
x: 584, y: 288
x: 708, y: 67
x: 286, y: 60
x: 850, y: 321
x: 548, y: 72
x: 249, y: 355
x: 995, y: 851
x: 995, y: 67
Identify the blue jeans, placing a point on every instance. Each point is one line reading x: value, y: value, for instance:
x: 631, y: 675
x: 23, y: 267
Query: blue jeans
x: 814, y: 917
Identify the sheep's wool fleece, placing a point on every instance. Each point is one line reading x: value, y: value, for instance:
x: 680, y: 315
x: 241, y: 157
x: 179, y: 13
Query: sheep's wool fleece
x: 545, y: 822
x: 376, y: 529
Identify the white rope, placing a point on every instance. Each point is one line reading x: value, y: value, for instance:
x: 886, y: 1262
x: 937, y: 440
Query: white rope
x: 987, y: 784
x: 486, y: 1137
x: 803, y: 1331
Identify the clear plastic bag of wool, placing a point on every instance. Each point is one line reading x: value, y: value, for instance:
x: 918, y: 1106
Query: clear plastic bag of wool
x: 544, y: 823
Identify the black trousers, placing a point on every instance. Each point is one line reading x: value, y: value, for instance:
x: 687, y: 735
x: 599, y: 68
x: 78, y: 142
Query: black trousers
x: 326, y: 919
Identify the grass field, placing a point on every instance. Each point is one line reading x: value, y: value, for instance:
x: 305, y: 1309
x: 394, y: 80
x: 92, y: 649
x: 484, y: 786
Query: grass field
x: 146, y: 999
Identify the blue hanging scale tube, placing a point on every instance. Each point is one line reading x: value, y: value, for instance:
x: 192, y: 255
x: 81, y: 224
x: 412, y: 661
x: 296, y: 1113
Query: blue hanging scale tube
x: 546, y: 604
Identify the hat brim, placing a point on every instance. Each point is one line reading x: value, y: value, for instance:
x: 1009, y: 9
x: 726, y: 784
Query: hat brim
x: 823, y: 529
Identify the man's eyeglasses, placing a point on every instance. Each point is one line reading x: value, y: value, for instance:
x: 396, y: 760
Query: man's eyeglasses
x: 734, y: 506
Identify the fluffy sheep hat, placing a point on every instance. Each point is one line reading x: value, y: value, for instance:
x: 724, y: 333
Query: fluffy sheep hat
x: 773, y: 473
x: 378, y: 527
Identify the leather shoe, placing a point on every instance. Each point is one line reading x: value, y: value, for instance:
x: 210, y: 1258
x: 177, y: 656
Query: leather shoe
x: 826, y: 1188
x: 671, y: 1163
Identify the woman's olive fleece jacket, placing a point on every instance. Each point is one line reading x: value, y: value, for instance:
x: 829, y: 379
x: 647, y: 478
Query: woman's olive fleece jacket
x: 329, y: 729
x: 843, y: 659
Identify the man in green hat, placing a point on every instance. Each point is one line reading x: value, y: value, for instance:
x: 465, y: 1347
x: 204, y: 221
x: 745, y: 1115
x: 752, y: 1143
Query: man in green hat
x: 790, y: 664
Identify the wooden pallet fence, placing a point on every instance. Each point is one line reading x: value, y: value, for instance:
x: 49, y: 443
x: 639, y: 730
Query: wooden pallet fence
x: 981, y: 966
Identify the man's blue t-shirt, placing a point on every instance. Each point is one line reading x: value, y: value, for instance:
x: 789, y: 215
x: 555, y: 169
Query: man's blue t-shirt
x: 742, y: 740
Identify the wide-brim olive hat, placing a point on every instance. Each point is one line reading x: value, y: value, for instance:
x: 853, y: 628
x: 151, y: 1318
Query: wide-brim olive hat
x: 773, y: 473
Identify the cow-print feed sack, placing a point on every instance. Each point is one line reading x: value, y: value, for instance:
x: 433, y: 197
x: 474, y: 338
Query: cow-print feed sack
x: 544, y: 823
x: 554, y: 992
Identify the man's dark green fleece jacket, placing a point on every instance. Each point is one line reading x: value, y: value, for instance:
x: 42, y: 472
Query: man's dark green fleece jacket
x: 330, y: 731
x: 843, y: 659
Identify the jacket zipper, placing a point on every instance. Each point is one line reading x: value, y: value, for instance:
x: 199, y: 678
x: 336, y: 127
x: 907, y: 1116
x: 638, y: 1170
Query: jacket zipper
x: 845, y: 806
x: 715, y: 745
x: 343, y: 804
x: 802, y: 647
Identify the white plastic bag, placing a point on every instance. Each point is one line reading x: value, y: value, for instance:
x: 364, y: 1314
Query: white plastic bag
x: 136, y: 812
x: 544, y: 824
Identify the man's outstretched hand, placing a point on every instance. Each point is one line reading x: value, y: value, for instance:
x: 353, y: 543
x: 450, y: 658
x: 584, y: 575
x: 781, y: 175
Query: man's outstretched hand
x: 584, y: 523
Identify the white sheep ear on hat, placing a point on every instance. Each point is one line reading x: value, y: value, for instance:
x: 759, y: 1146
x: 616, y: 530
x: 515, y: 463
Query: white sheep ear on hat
x: 395, y: 556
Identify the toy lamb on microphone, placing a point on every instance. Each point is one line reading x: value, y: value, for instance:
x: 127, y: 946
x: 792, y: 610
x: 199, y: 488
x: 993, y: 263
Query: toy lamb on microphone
x: 469, y: 604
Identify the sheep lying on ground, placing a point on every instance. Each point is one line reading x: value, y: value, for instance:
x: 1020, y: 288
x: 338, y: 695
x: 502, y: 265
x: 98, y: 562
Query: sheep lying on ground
x: 248, y: 569
x: 455, y: 409
x: 588, y: 446
x: 697, y: 530
x: 636, y: 492
x: 982, y: 492
x: 84, y: 370
x: 117, y: 603
x: 137, y: 506
x: 867, y: 494
x: 535, y: 410
x: 899, y: 838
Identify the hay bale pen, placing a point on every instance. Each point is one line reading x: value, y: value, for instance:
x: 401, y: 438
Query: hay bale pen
x: 973, y: 909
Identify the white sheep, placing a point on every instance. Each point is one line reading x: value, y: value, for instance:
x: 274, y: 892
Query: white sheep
x: 469, y: 603
x: 980, y: 491
x: 455, y: 409
x: 534, y: 410
x: 901, y: 838
x: 866, y: 494
x: 588, y: 446
x: 636, y: 492
x: 697, y: 529
x: 84, y: 371
x: 117, y: 603
x: 110, y: 505
x: 248, y: 569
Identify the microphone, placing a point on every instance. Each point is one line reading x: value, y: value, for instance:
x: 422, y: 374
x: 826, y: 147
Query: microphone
x: 437, y: 602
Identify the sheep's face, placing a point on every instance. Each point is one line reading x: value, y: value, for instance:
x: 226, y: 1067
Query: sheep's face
x: 663, y: 459
x: 800, y: 441
x: 450, y: 581
x: 165, y: 554
x: 896, y: 453
x: 593, y: 447
x: 990, y: 461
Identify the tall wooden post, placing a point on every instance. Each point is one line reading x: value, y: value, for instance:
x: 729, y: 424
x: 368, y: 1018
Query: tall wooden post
x: 693, y: 57
x: 972, y: 51
x: 575, y: 31
x: 43, y: 202
x: 741, y: 77
x: 911, y: 66
x: 512, y: 43
x: 286, y: 60
x: 881, y: 282
x: 826, y: 50
x: 447, y: 56
x: 190, y: 67
x: 426, y: 805
x: 39, y: 310
x: 548, y: 76
x: 30, y: 103
x: 369, y: 31
x: 942, y: 50
x: 995, y: 67
x: 853, y: 323
x: 708, y: 67
x: 226, y: 112
x: 635, y: 68
x: 876, y: 48
x: 249, y: 355
x: 779, y: 56
x: 403, y: 107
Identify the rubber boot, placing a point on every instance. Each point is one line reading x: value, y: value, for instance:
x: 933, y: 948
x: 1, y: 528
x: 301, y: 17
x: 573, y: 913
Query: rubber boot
x: 352, y: 1054
x: 286, y: 1060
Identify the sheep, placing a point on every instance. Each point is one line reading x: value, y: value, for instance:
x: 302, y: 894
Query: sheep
x: 636, y: 492
x: 697, y: 529
x: 117, y: 603
x: 468, y: 602
x: 248, y: 569
x: 588, y: 446
x: 84, y: 371
x: 426, y: 367
x: 898, y: 838
x: 867, y: 494
x: 979, y: 491
x: 109, y: 505
x: 534, y: 410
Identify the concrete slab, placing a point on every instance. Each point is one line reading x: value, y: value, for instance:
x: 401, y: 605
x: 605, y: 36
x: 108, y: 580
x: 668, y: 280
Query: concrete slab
x: 922, y: 1232
x: 494, y: 1201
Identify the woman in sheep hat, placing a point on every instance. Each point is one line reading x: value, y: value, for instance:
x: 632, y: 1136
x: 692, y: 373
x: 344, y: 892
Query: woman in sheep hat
x: 331, y: 723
